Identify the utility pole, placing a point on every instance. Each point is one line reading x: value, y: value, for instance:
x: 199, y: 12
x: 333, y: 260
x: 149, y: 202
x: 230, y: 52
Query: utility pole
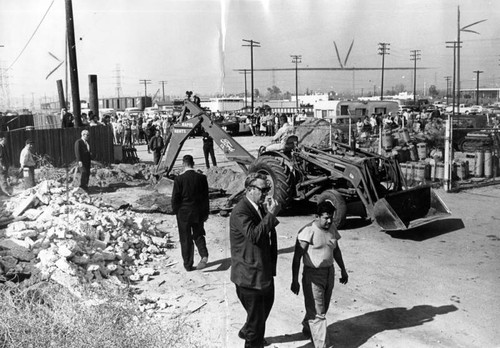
x: 447, y: 78
x: 383, y: 50
x: 252, y: 45
x: 163, y: 89
x: 245, y: 72
x: 75, y: 91
x: 466, y: 28
x: 414, y: 56
x: 455, y: 45
x: 477, y: 72
x: 296, y: 59
x: 146, y: 82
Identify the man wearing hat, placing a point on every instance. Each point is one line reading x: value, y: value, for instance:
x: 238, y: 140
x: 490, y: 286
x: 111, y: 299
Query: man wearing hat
x: 28, y: 164
x: 4, y: 166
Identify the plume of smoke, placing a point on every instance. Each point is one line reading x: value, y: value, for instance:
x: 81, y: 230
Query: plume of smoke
x: 222, y: 43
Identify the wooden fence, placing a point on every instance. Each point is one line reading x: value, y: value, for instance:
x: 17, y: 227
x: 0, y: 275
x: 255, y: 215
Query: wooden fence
x: 58, y: 144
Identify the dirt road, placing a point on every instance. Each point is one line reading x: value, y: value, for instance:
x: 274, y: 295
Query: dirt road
x: 435, y: 286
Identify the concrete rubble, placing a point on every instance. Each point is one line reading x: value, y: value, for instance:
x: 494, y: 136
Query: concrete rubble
x: 73, y: 238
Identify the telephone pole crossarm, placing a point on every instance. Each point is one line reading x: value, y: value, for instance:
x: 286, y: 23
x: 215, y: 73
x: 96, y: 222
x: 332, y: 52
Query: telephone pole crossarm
x: 252, y: 44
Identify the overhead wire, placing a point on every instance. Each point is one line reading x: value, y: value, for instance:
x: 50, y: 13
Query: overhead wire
x: 31, y: 37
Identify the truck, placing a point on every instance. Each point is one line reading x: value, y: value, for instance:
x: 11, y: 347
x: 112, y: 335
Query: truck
x: 356, y: 182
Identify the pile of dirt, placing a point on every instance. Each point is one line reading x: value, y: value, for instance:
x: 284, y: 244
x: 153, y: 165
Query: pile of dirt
x: 226, y: 179
x: 73, y: 238
x: 317, y: 133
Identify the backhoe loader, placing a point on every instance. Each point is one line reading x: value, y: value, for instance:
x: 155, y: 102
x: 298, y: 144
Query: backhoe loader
x: 358, y: 183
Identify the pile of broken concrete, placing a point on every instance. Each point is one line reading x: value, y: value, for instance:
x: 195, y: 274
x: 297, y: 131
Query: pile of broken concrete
x: 72, y: 238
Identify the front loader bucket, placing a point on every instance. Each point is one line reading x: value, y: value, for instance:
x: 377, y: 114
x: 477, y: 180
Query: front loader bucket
x: 397, y: 210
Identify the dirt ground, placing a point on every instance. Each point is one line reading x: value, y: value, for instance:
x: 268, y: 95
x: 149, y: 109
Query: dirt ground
x: 435, y: 286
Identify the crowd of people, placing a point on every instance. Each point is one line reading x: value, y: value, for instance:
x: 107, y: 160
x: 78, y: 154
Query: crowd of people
x: 136, y: 131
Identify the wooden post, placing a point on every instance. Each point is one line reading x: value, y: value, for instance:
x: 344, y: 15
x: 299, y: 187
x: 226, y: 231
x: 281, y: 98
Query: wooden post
x: 448, y: 156
x: 60, y: 92
x: 73, y: 67
x: 93, y: 96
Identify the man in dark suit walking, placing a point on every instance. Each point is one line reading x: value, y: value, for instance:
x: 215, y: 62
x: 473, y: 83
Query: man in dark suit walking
x: 83, y: 156
x: 191, y: 205
x: 254, y: 253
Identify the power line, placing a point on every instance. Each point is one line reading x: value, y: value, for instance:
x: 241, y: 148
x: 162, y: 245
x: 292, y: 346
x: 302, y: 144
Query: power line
x: 32, y: 35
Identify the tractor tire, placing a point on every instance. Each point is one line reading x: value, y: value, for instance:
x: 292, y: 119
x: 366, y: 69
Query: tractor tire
x: 340, y: 214
x: 279, y: 175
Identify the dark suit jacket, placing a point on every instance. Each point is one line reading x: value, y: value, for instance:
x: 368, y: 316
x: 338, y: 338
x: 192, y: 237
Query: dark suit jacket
x: 190, y: 196
x: 4, y: 157
x: 82, y: 153
x: 254, y: 252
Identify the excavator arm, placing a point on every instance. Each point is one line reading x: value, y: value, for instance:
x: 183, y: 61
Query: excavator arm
x: 181, y: 130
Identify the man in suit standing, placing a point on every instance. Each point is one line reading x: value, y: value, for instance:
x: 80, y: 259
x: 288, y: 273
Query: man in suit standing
x: 83, y: 156
x: 254, y: 253
x: 191, y: 205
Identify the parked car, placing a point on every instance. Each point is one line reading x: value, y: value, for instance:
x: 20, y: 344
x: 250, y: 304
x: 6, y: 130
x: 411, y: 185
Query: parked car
x: 476, y: 109
x: 132, y: 113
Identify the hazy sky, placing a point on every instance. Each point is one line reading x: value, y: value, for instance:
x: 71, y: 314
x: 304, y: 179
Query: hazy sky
x: 196, y: 44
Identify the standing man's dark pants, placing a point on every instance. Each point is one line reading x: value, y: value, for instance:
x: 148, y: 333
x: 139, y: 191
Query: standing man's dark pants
x: 157, y: 156
x: 258, y: 304
x: 209, y: 150
x: 85, y: 175
x: 190, y: 232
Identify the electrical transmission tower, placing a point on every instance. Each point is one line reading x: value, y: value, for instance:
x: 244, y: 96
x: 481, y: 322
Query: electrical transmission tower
x: 4, y: 88
x: 383, y: 50
x: 118, y: 80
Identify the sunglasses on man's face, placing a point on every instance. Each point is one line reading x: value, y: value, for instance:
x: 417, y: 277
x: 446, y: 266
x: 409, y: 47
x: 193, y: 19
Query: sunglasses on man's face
x: 263, y: 190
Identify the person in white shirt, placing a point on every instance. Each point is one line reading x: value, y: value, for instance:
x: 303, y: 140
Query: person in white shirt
x: 317, y: 244
x: 28, y: 164
x: 279, y: 139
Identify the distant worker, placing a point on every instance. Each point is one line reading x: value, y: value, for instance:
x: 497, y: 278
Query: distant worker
x: 208, y: 148
x: 4, y: 167
x: 127, y: 133
x: 83, y: 157
x: 190, y: 204
x: 359, y: 127
x: 117, y: 130
x: 67, y: 119
x: 135, y: 132
x: 281, y: 135
x: 317, y: 244
x: 156, y: 144
x: 27, y: 162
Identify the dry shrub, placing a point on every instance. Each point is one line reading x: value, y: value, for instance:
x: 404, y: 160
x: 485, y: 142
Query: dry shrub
x: 47, y: 315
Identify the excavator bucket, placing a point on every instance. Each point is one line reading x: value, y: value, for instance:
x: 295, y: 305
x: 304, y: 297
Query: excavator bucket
x: 409, y: 208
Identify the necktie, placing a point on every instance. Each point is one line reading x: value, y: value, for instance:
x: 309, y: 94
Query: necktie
x: 262, y: 210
